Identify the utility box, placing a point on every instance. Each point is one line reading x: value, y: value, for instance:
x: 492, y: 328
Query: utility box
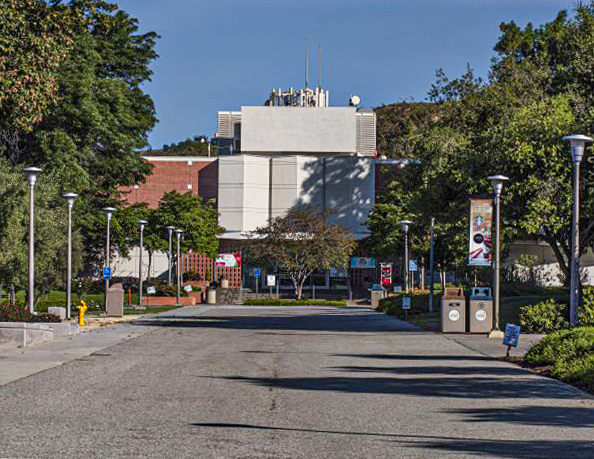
x: 481, y: 310
x: 453, y: 311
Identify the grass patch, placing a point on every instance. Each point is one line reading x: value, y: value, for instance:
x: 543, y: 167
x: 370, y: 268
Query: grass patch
x: 567, y: 355
x: 280, y: 302
x: 148, y: 310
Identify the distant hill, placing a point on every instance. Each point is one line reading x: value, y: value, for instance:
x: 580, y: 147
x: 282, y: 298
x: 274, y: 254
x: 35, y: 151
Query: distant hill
x: 397, y: 123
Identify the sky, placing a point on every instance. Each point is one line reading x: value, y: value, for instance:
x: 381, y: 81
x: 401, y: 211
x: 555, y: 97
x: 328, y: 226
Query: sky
x: 222, y: 54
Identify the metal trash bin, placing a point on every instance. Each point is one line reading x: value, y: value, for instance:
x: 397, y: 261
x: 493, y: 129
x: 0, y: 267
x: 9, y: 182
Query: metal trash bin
x: 481, y: 310
x: 453, y: 311
x: 377, y: 293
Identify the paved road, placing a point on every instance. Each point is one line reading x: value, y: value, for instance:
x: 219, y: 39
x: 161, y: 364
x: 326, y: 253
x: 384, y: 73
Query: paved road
x: 291, y: 383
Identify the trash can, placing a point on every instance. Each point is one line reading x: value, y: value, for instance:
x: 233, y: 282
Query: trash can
x: 224, y: 282
x: 453, y: 311
x: 481, y: 310
x: 211, y: 296
x: 377, y: 293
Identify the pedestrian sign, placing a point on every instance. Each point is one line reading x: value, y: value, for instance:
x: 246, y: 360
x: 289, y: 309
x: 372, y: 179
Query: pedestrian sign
x: 257, y: 272
x: 512, y: 335
x: 106, y: 273
x: 406, y: 303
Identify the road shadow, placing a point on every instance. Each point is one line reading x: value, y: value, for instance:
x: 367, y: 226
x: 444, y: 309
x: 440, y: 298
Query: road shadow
x: 415, y: 357
x: 436, y: 370
x: 450, y: 387
x: 519, y: 449
x: 533, y: 415
x: 337, y: 322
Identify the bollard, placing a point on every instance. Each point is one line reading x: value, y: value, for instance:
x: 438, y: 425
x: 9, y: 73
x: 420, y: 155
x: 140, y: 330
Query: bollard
x: 82, y: 308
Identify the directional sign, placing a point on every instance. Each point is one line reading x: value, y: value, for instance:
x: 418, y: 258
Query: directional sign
x: 406, y: 303
x: 257, y: 272
x: 106, y: 273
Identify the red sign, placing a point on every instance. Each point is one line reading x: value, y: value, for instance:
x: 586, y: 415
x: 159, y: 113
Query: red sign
x: 386, y: 273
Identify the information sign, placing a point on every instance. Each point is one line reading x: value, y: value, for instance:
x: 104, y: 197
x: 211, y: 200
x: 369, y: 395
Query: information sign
x: 106, y: 273
x: 406, y: 303
x: 257, y: 272
x: 512, y: 335
x: 412, y: 266
x: 188, y: 288
x: 270, y: 280
x: 151, y: 290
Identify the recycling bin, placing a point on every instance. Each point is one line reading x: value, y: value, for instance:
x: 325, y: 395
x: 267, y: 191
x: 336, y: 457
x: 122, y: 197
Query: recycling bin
x: 453, y: 311
x: 377, y: 293
x: 481, y: 310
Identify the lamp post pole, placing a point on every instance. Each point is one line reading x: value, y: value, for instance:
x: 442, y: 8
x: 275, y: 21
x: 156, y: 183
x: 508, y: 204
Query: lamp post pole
x: 70, y: 198
x: 32, y: 178
x: 178, y: 234
x: 170, y: 230
x: 142, y: 223
x: 497, y: 181
x: 108, y: 213
x: 577, y: 143
x: 431, y: 264
x: 404, y: 224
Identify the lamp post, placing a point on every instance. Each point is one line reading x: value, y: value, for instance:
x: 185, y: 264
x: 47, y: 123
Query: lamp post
x: 178, y: 234
x: 141, y: 223
x: 32, y: 178
x: 404, y: 224
x: 70, y: 198
x: 578, y: 143
x: 497, y: 181
x: 170, y: 230
x: 108, y: 213
x: 431, y: 264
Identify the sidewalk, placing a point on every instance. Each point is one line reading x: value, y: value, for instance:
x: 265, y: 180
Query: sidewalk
x: 22, y: 362
x: 492, y: 347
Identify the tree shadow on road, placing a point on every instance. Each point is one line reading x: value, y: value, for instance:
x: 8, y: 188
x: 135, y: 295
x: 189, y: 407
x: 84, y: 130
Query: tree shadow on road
x: 437, y: 370
x: 518, y: 449
x: 452, y: 387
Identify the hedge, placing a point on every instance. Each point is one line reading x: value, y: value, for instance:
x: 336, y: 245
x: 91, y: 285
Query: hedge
x: 273, y: 302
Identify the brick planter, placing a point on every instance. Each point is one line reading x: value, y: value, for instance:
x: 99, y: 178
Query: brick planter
x: 168, y: 301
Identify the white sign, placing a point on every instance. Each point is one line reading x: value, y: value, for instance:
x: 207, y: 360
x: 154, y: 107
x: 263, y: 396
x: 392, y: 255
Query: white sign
x: 151, y: 290
x: 362, y: 262
x: 397, y: 288
x: 406, y: 303
x: 454, y: 315
x: 412, y: 266
x: 188, y: 288
x: 481, y: 315
x: 270, y: 280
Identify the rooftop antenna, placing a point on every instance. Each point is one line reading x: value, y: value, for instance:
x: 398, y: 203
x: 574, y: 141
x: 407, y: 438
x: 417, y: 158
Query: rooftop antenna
x: 319, y: 65
x: 306, y: 63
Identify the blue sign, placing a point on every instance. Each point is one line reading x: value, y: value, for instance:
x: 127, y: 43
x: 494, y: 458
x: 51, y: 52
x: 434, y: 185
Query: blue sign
x: 257, y: 272
x: 412, y: 266
x: 512, y: 335
x: 406, y: 303
x: 106, y: 273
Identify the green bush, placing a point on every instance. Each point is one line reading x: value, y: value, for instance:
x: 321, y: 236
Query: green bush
x: 273, y: 302
x: 43, y: 305
x: 569, y: 353
x: 586, y: 315
x: 544, y: 317
x: 419, y: 303
x: 20, y: 313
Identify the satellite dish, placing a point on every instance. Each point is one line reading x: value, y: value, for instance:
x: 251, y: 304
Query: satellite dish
x: 355, y: 100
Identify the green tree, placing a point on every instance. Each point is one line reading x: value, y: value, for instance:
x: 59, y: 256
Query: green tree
x: 301, y: 242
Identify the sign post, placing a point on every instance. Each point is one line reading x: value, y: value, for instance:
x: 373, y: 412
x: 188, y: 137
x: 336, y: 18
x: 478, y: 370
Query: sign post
x: 406, y: 305
x: 257, y: 273
x: 271, y: 282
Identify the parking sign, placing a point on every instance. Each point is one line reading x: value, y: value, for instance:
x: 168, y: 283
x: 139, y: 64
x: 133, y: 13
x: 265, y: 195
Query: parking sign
x: 106, y: 273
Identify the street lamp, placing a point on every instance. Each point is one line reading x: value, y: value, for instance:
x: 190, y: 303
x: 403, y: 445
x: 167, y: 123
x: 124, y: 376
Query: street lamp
x: 32, y: 178
x: 404, y: 224
x: 170, y: 229
x: 178, y: 234
x: 578, y: 143
x: 142, y: 223
x: 431, y: 264
x: 108, y: 213
x: 497, y: 181
x: 70, y: 198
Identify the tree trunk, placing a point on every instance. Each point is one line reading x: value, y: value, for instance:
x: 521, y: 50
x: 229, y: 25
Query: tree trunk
x: 443, y: 274
x: 150, y: 257
x: 12, y: 295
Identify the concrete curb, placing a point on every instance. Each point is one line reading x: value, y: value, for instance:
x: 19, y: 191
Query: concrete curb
x: 24, y: 334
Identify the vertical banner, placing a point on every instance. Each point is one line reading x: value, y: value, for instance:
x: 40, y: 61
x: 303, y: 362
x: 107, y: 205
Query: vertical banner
x: 481, y: 218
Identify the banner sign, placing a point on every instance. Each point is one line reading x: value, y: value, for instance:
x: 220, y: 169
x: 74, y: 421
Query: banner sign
x: 481, y: 217
x: 229, y: 260
x: 386, y: 273
x: 362, y: 262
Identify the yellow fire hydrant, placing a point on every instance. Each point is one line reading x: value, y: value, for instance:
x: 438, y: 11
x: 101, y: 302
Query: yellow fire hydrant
x: 82, y: 308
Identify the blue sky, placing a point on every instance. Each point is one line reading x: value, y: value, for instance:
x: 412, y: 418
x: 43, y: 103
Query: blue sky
x: 222, y: 54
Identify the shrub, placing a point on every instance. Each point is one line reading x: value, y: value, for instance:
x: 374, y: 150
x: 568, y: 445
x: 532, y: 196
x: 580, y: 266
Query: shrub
x: 544, y: 317
x: 280, y: 302
x: 419, y: 304
x: 569, y: 353
x: 20, y: 313
x: 586, y: 315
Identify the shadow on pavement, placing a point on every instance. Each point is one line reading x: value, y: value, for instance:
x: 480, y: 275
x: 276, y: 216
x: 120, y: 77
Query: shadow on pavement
x: 482, y: 358
x: 463, y: 387
x: 337, y: 322
x: 533, y: 415
x: 436, y: 370
x: 519, y: 449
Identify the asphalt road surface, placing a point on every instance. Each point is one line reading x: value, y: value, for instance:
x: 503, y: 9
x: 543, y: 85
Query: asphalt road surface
x: 291, y: 383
